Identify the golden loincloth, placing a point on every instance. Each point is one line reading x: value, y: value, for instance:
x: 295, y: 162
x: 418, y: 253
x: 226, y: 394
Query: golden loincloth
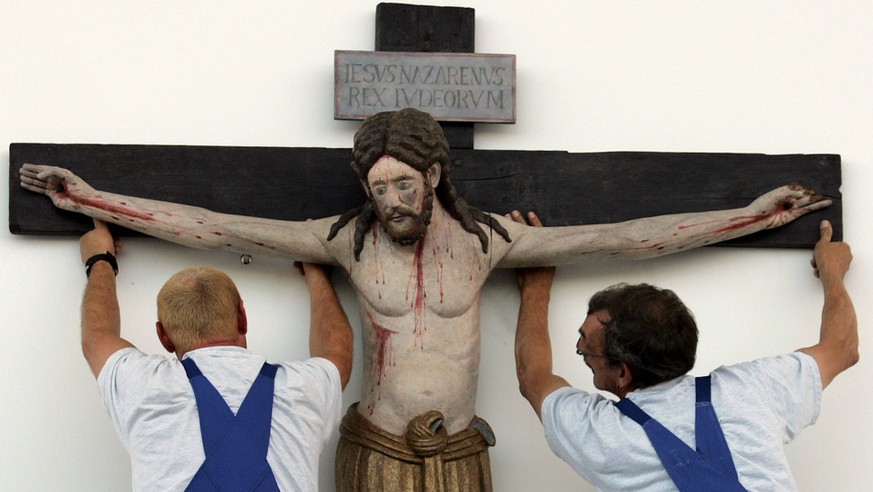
x: 369, y: 459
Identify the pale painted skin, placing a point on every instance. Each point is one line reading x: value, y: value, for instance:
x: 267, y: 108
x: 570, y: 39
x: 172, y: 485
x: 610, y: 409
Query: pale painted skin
x: 419, y: 304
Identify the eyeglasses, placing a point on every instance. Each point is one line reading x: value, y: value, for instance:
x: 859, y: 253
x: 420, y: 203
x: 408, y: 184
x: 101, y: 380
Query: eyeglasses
x: 589, y: 354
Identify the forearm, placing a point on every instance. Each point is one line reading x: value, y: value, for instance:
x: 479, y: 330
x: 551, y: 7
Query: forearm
x: 634, y: 239
x: 330, y: 334
x: 182, y: 224
x: 201, y: 228
x: 839, y: 322
x: 101, y: 320
x: 655, y: 236
x: 533, y: 348
x: 837, y: 349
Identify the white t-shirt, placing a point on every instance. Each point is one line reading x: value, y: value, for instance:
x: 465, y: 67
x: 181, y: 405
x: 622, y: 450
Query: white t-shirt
x: 761, y: 405
x: 152, y: 405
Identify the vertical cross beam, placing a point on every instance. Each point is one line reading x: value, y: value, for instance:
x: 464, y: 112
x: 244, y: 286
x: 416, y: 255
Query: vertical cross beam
x: 421, y: 28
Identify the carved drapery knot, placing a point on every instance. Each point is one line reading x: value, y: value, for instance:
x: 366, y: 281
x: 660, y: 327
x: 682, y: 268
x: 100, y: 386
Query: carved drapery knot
x: 426, y: 434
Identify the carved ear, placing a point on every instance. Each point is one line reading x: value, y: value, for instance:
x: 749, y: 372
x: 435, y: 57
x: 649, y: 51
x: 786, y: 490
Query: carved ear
x: 366, y: 184
x: 433, y: 174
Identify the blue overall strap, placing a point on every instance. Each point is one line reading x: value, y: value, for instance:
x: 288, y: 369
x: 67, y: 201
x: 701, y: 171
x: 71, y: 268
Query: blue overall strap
x: 235, y: 445
x: 708, y: 435
x: 690, y: 471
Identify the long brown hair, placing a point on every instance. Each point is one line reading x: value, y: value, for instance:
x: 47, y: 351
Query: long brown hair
x: 416, y: 139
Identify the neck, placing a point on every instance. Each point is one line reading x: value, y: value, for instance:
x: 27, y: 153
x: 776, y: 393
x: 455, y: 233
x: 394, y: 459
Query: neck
x: 624, y: 390
x: 218, y: 343
x: 438, y: 213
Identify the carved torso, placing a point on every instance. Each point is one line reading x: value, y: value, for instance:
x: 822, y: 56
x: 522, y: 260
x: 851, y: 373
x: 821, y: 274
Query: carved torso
x: 419, y: 308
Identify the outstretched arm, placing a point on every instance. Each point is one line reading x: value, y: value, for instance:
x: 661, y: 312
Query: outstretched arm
x: 187, y: 225
x: 837, y: 349
x: 655, y: 236
x: 101, y: 321
x: 330, y: 335
x: 533, y: 347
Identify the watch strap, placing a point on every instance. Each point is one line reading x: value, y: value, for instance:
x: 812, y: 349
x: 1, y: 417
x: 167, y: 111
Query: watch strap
x: 107, y: 257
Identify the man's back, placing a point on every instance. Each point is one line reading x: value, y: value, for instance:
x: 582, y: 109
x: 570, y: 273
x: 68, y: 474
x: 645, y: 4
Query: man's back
x: 152, y: 405
x: 760, y: 405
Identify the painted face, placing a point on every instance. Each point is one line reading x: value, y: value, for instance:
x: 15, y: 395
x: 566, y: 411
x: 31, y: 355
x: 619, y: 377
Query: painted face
x: 402, y: 197
x: 590, y: 347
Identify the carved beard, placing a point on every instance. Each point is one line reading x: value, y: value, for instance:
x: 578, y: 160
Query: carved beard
x: 420, y: 221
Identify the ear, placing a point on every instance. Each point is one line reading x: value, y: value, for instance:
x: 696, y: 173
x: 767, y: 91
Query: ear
x: 625, y: 376
x: 366, y: 186
x: 433, y: 174
x: 242, y: 322
x: 164, y: 338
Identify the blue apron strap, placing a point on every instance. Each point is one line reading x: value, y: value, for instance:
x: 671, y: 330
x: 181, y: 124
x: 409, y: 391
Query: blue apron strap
x: 256, y: 412
x: 214, y: 413
x: 676, y: 456
x: 708, y: 435
x: 690, y: 470
x: 630, y: 409
x: 235, y: 445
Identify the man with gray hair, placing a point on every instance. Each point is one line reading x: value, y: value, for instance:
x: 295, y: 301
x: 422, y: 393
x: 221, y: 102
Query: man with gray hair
x: 640, y: 342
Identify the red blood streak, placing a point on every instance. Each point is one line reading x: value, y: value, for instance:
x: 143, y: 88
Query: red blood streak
x: 420, y: 294
x: 99, y: 204
x: 435, y: 251
x: 383, y: 344
x: 736, y: 222
x: 380, y: 275
x: 741, y: 222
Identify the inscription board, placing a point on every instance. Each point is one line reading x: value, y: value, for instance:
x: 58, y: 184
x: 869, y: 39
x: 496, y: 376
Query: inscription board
x: 468, y: 87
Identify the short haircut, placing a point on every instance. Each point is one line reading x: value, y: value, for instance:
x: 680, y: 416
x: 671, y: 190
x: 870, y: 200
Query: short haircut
x: 649, y: 329
x: 198, y: 305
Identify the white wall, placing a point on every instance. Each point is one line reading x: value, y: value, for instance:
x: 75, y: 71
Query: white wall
x: 730, y: 76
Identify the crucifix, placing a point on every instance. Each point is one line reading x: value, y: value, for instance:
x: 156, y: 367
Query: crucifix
x: 418, y: 278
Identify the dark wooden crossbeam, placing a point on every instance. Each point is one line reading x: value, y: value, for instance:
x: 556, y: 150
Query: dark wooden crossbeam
x: 427, y: 29
x: 300, y: 183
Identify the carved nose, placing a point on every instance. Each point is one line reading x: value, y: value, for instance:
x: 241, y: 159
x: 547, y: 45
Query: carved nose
x: 391, y: 197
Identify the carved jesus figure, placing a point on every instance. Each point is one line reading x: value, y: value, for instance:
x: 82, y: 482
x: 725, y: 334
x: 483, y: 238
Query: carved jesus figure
x: 417, y: 255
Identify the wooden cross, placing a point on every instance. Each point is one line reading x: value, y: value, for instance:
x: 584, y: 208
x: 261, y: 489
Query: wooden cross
x: 300, y: 183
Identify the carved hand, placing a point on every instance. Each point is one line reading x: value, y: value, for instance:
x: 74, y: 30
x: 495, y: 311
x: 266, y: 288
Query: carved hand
x: 787, y: 203
x: 539, y: 278
x: 57, y: 183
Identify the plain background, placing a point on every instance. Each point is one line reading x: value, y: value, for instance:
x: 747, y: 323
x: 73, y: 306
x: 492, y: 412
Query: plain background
x: 770, y: 77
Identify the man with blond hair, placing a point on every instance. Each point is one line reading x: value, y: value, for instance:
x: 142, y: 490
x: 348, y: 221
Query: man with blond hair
x: 215, y: 417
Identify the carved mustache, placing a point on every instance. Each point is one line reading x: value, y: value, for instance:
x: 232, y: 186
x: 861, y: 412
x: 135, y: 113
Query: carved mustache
x: 401, y: 211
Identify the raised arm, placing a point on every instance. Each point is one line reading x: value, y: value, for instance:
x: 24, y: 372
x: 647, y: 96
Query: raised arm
x: 837, y: 348
x: 183, y: 224
x: 330, y: 335
x: 654, y: 236
x: 101, y: 321
x: 533, y: 347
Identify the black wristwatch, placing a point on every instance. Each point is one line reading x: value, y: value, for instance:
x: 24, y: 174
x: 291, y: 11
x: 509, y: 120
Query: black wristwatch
x: 107, y: 257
